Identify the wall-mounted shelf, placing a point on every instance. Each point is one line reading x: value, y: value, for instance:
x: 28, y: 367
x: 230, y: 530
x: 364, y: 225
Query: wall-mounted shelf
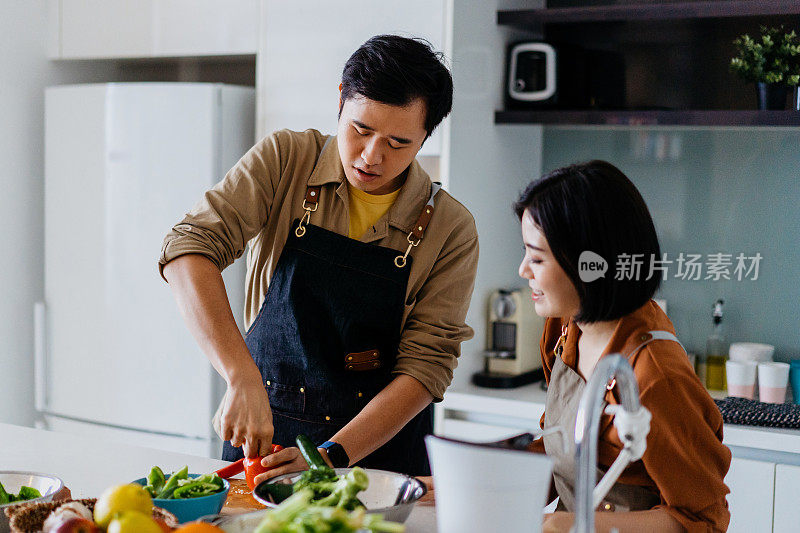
x: 676, y: 57
x: 649, y: 118
x: 528, y: 18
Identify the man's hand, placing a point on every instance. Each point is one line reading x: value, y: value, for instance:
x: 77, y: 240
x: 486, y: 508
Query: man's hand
x: 245, y: 418
x: 286, y: 461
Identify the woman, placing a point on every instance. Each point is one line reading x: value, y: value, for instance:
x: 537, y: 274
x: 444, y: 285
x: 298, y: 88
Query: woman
x: 678, y: 483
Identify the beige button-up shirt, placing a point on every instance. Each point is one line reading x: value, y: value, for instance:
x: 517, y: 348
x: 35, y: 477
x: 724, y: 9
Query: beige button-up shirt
x: 259, y: 198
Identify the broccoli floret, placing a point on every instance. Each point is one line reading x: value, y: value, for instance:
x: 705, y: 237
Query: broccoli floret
x: 297, y: 514
x: 320, y: 481
x: 343, y: 493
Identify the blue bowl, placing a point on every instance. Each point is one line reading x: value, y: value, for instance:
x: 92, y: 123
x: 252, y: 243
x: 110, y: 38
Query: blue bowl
x: 192, y: 508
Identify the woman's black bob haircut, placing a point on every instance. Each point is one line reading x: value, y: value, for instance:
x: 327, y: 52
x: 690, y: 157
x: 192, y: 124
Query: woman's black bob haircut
x: 593, y: 206
x: 396, y: 70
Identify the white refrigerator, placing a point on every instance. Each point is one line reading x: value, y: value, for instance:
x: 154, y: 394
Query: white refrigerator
x: 123, y: 163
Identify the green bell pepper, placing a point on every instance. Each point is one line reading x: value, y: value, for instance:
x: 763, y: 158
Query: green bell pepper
x: 204, y: 485
x: 155, y: 480
x: 172, y: 483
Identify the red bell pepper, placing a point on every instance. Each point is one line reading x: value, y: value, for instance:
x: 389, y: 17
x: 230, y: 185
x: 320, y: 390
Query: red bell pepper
x: 250, y: 465
x: 253, y: 467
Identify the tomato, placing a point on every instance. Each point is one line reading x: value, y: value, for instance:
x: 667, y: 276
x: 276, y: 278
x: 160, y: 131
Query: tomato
x: 253, y: 467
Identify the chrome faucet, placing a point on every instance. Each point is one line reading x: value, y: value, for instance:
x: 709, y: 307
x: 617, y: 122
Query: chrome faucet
x: 632, y: 422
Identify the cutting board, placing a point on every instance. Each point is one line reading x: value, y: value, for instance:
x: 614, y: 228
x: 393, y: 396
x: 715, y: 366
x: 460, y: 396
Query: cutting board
x: 240, y: 499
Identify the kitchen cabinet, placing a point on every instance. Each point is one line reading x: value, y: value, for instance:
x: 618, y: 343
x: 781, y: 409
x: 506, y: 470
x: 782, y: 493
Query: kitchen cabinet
x: 787, y: 510
x: 101, y: 29
x: 676, y: 59
x: 750, y: 502
x: 473, y: 415
x: 305, y: 44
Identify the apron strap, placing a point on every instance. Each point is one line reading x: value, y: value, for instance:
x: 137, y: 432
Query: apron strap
x: 418, y: 229
x: 654, y: 335
x: 311, y: 201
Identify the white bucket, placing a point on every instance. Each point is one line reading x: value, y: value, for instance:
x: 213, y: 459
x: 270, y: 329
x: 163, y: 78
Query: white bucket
x: 482, y: 488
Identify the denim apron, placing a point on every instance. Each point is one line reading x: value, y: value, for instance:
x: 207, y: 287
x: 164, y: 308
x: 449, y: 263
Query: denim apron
x: 561, y: 409
x: 326, y: 338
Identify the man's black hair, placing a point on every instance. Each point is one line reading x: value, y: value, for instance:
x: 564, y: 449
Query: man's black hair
x: 593, y: 206
x: 396, y: 70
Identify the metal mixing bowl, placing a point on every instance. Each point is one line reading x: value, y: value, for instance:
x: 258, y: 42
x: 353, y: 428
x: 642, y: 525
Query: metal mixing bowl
x: 389, y: 494
x: 46, y: 484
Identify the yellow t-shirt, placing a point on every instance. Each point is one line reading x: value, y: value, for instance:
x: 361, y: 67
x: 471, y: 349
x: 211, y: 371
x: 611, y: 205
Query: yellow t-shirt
x: 366, y: 209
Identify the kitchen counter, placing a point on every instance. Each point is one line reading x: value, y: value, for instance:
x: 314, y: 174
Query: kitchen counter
x: 524, y: 406
x: 88, y: 467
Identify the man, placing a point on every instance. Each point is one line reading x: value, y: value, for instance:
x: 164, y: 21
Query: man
x: 360, y: 272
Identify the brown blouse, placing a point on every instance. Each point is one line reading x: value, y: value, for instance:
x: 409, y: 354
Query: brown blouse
x: 685, y: 461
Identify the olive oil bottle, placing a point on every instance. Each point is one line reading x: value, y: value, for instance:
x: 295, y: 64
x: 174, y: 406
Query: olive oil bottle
x: 716, y: 352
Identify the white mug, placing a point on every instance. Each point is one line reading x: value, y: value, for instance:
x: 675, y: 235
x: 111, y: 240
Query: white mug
x: 772, y: 381
x: 741, y: 376
x: 480, y: 488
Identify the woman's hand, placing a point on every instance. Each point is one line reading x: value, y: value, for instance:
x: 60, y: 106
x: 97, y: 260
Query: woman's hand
x: 245, y: 419
x: 429, y: 497
x: 654, y: 521
x: 558, y: 522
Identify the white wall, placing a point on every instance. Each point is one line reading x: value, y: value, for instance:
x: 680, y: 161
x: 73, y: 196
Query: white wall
x: 483, y: 162
x: 304, y: 47
x: 25, y: 73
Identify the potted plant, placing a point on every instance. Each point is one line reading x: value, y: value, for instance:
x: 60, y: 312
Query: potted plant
x: 772, y: 61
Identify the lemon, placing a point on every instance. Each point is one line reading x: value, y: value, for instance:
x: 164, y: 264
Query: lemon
x: 121, y: 498
x: 133, y: 522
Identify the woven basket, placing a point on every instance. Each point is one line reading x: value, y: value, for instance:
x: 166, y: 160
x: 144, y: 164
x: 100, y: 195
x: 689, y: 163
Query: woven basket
x: 30, y: 517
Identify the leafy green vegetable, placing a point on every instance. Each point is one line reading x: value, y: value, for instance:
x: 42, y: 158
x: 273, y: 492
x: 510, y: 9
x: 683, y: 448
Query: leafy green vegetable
x: 25, y: 493
x: 315, y: 479
x: 323, y: 502
x: 28, y: 493
x: 329, y: 489
x: 298, y: 514
x: 342, y: 493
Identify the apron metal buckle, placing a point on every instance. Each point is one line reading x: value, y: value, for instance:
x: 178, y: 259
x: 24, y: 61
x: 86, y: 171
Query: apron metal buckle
x: 400, y: 260
x: 300, y: 231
